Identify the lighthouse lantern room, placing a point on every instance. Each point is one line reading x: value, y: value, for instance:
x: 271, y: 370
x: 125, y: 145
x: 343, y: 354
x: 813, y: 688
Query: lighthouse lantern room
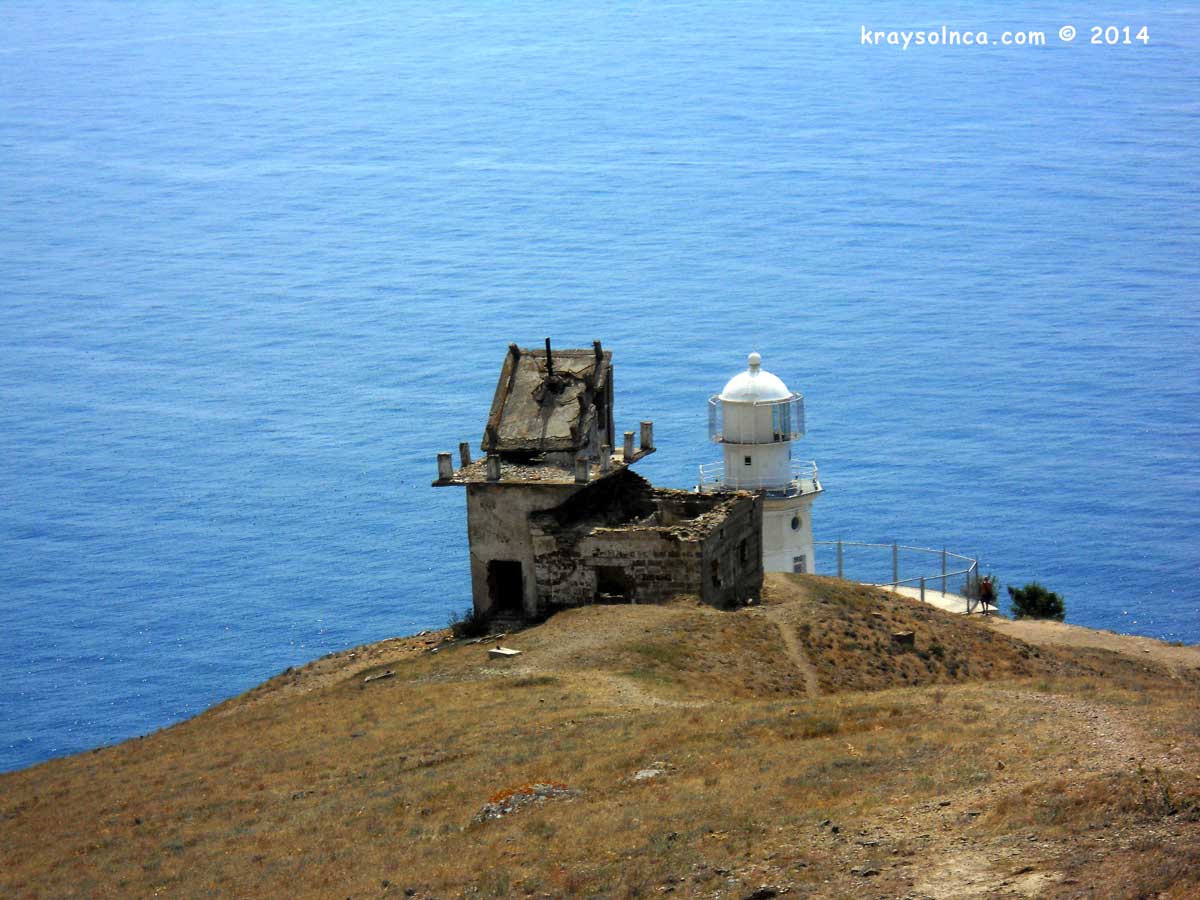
x: 755, y: 419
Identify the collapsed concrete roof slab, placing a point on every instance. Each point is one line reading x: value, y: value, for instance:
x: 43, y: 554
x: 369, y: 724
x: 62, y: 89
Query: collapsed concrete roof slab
x: 550, y: 401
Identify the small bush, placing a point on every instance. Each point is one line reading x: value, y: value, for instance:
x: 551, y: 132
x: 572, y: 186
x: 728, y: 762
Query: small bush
x: 812, y: 725
x: 1035, y: 602
x: 468, y: 625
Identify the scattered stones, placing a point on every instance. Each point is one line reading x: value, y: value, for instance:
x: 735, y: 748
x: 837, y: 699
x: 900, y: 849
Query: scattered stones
x: 654, y: 770
x: 379, y: 676
x: 514, y: 799
x: 904, y: 638
x: 763, y: 892
x: 864, y: 871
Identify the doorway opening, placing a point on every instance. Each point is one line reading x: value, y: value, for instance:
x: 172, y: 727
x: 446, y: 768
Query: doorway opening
x: 506, y: 586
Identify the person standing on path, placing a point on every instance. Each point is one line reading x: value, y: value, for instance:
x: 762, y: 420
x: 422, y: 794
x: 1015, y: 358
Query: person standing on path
x: 987, y: 594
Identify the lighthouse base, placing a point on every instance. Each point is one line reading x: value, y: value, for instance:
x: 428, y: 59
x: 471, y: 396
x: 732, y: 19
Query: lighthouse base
x: 787, y: 534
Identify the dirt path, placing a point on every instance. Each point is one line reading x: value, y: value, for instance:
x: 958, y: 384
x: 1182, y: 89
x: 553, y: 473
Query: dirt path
x: 627, y: 692
x: 793, y: 649
x: 959, y: 866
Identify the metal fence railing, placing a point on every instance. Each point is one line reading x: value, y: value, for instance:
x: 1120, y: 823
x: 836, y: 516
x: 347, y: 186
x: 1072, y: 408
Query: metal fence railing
x: 952, y: 566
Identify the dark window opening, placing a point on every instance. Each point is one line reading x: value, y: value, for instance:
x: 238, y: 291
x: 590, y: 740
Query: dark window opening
x: 747, y: 460
x: 800, y: 564
x: 506, y: 586
x: 742, y: 551
x: 795, y: 523
x: 716, y: 573
x: 614, y: 585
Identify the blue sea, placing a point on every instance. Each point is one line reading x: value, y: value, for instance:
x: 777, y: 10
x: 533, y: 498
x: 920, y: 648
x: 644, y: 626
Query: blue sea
x: 259, y: 263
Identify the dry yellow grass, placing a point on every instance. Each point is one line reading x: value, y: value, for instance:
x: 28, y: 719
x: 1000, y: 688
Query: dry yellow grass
x: 991, y: 768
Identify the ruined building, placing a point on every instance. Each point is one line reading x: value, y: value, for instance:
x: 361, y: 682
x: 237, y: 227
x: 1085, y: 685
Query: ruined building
x: 555, y: 516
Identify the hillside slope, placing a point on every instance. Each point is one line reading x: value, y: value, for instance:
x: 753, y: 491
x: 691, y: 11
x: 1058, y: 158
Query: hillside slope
x: 637, y: 751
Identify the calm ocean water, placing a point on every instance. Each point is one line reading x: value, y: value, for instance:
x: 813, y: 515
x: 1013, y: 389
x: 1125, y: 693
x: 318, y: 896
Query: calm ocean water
x: 259, y: 263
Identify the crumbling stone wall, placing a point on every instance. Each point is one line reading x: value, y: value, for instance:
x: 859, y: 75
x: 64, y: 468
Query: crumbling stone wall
x: 731, y: 559
x: 653, y: 564
x: 622, y: 538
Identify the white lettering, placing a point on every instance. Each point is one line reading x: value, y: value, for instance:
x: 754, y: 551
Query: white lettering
x: 948, y: 37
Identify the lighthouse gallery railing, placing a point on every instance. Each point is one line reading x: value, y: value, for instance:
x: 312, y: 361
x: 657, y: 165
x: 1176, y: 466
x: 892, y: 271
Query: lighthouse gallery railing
x: 804, y: 479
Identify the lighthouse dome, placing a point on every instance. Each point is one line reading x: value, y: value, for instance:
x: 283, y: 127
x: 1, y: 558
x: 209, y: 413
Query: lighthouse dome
x: 755, y: 385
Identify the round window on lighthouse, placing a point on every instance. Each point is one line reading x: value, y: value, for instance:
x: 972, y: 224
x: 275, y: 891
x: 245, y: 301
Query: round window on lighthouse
x: 795, y: 523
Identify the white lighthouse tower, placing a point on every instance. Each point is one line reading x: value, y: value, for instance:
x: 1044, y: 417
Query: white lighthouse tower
x: 755, y: 419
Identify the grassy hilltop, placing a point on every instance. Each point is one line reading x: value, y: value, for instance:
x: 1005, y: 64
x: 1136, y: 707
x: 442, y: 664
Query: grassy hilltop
x: 787, y: 749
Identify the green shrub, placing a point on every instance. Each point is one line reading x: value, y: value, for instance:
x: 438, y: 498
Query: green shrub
x: 468, y: 625
x: 1035, y: 602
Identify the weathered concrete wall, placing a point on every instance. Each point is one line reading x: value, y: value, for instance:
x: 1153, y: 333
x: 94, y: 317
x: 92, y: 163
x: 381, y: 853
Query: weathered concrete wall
x: 648, y: 545
x: 732, y: 556
x: 498, y: 529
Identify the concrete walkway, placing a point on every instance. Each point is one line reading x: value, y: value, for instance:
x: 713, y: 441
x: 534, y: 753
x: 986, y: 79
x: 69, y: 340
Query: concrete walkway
x: 955, y: 603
